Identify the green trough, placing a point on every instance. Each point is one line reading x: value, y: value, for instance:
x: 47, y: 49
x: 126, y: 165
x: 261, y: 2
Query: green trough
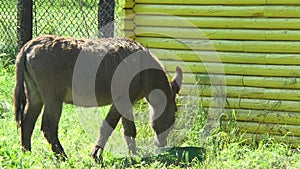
x: 169, y: 155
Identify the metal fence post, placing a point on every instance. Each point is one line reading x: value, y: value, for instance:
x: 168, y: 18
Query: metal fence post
x: 106, y: 13
x: 24, y: 23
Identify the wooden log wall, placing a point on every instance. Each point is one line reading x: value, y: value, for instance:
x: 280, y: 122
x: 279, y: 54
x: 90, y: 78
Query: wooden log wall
x: 257, y: 44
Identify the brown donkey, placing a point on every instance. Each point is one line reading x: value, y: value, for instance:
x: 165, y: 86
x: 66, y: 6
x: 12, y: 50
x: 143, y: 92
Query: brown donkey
x: 52, y: 70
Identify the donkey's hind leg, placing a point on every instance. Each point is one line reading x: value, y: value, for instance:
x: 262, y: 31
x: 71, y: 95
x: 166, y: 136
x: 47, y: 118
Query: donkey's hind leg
x: 32, y: 111
x: 129, y: 133
x: 51, y: 116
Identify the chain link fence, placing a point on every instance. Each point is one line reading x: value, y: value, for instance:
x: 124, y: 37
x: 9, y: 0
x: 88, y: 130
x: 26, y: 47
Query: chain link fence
x: 78, y: 18
x: 65, y: 17
x: 8, y: 29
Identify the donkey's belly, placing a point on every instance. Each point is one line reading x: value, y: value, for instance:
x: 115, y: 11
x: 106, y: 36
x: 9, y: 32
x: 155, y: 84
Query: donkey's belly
x: 87, y: 98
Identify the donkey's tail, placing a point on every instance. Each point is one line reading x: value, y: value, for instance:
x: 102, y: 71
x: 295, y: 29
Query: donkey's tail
x: 19, y: 95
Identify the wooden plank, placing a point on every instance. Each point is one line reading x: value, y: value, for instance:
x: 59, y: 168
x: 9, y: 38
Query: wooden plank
x: 129, y: 14
x: 291, y: 140
x: 197, y: 10
x: 223, y: 2
x: 128, y: 4
x: 227, y: 57
x: 254, y: 104
x: 246, y: 81
x: 267, y: 128
x: 271, y: 82
x: 235, y: 69
x: 241, y: 92
x: 232, y: 34
x: 203, y: 2
x: 282, y: 35
x: 282, y: 11
x: 129, y: 34
x: 282, y: 2
x: 216, y: 10
x: 218, y: 22
x: 263, y: 116
x: 129, y: 25
x: 150, y: 31
x: 222, y: 45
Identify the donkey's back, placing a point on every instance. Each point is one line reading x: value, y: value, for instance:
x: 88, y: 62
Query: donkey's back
x: 78, y: 71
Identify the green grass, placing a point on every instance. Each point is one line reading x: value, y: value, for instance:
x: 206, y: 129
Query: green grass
x: 223, y: 150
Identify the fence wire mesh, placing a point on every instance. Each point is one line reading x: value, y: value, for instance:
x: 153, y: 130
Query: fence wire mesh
x: 65, y: 17
x: 78, y: 18
x: 8, y: 29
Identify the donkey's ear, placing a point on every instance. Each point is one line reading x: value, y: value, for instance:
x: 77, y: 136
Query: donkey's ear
x: 177, y: 80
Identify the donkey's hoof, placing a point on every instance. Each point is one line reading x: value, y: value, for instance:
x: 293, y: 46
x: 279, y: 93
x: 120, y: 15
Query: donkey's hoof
x: 25, y: 150
x: 99, y: 160
x: 61, y: 157
x: 97, y: 154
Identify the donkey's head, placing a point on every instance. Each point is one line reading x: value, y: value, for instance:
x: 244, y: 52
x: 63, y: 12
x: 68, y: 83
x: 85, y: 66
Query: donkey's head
x: 164, y: 106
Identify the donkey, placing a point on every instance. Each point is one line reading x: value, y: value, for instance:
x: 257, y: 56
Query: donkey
x: 52, y: 70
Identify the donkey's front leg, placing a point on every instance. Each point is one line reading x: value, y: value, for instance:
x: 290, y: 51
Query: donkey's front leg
x: 109, y: 124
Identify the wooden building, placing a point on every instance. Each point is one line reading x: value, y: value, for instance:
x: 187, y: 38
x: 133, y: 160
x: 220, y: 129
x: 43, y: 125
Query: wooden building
x: 252, y: 45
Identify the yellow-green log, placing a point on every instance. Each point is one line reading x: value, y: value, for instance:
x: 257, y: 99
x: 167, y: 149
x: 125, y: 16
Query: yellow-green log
x: 234, y: 34
x: 235, y: 69
x: 263, y: 116
x: 222, y: 45
x: 254, y: 104
x: 241, y: 92
x: 222, y: 2
x: 227, y: 57
x: 215, y: 10
x: 290, y: 140
x: 267, y: 128
x: 129, y: 14
x: 218, y: 22
x: 128, y: 4
x: 129, y: 34
x: 248, y: 81
x: 129, y: 25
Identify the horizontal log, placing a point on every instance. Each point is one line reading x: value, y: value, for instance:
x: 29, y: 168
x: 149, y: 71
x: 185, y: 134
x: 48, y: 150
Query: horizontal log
x: 202, y: 2
x: 245, y: 81
x: 224, y: 2
x: 290, y: 140
x: 266, y: 128
x: 127, y: 4
x: 254, y: 104
x: 222, y: 45
x: 129, y: 25
x: 261, y: 116
x: 241, y: 92
x: 232, y: 34
x: 235, y: 69
x: 216, y: 10
x: 227, y: 57
x: 129, y: 34
x: 282, y: 2
x: 218, y: 22
x: 129, y: 14
x: 217, y: 107
x: 271, y: 82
